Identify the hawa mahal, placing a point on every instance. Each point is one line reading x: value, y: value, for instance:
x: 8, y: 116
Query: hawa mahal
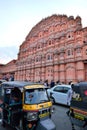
x: 55, y: 49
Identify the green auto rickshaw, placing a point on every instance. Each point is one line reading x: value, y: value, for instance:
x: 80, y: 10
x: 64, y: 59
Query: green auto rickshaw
x: 78, y: 107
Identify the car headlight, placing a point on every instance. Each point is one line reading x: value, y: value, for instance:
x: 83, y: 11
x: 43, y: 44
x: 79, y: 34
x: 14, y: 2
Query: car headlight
x: 32, y: 116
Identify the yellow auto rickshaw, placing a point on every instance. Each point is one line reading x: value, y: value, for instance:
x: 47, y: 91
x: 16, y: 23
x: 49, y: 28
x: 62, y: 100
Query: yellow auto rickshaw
x: 26, y: 106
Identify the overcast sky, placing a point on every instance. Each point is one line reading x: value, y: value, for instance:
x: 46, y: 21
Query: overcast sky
x: 17, y: 17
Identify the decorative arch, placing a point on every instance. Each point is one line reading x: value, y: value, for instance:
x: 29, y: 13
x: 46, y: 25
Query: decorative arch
x: 70, y: 73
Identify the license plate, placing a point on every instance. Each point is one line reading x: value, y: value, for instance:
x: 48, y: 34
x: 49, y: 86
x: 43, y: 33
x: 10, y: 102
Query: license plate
x: 44, y: 115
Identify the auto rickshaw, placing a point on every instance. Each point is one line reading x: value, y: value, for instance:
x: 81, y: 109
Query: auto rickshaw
x: 26, y: 106
x: 78, y: 107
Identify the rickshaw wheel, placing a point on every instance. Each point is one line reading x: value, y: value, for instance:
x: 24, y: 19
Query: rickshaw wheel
x: 3, y: 124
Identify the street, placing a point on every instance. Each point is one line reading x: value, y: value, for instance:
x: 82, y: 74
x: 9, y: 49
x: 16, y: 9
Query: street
x: 60, y: 119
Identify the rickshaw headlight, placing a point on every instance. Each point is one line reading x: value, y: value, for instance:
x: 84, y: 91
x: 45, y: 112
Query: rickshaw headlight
x: 32, y: 116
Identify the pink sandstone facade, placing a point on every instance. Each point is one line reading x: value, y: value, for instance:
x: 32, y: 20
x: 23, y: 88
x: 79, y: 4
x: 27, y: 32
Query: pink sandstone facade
x: 1, y: 66
x: 8, y: 70
x: 56, y: 48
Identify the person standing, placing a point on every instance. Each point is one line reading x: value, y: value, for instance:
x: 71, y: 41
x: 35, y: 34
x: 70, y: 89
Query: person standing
x: 46, y: 83
x: 69, y: 97
x: 52, y: 84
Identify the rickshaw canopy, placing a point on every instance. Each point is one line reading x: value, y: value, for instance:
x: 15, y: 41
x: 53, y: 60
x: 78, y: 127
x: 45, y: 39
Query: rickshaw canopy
x: 21, y: 85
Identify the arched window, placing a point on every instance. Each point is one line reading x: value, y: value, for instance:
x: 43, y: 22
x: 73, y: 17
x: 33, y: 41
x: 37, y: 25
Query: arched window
x: 78, y: 50
x: 86, y: 51
x: 37, y: 59
x: 50, y: 42
x: 70, y: 52
x: 39, y: 46
x: 49, y: 57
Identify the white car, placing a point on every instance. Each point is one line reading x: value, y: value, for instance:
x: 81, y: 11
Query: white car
x: 58, y: 94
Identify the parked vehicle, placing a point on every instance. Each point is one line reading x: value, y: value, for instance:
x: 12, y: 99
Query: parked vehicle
x: 2, y: 80
x: 58, y: 94
x: 26, y: 106
x: 78, y: 107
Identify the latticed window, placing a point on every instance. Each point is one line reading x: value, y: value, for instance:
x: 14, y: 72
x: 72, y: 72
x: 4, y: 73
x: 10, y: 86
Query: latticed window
x: 70, y: 52
x: 61, y: 54
x: 49, y: 57
x: 38, y: 46
x: 50, y: 42
x: 86, y: 51
x: 79, y: 50
x: 37, y: 59
x: 56, y: 56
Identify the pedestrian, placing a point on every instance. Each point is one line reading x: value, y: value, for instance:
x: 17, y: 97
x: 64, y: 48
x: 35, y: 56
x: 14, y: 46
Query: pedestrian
x: 69, y: 97
x: 52, y: 84
x: 46, y: 83
x: 58, y: 82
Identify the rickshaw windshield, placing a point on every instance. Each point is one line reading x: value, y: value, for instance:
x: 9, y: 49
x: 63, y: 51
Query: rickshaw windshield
x: 36, y: 96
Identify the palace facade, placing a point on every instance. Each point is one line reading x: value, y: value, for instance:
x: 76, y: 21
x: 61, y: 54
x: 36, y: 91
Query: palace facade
x: 55, y: 49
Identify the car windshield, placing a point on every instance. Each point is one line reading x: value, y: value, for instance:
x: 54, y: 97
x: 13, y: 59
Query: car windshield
x: 35, y: 96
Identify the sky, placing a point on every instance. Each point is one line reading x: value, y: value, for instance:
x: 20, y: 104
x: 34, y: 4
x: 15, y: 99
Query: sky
x: 18, y: 17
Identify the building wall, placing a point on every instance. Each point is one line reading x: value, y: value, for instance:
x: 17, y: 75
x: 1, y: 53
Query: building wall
x: 55, y: 48
x: 1, y: 66
x: 8, y: 70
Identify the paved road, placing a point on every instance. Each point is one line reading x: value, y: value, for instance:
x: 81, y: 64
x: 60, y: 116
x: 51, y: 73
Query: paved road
x: 60, y: 118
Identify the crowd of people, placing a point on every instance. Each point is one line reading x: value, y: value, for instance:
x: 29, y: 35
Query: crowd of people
x: 8, y: 78
x: 51, y: 84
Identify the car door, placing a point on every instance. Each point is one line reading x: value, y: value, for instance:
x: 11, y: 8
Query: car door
x: 65, y: 92
x: 57, y: 94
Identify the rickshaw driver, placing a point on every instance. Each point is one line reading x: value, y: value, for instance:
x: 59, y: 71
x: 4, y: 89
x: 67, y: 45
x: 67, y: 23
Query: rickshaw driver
x: 15, y: 96
x: 29, y: 96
